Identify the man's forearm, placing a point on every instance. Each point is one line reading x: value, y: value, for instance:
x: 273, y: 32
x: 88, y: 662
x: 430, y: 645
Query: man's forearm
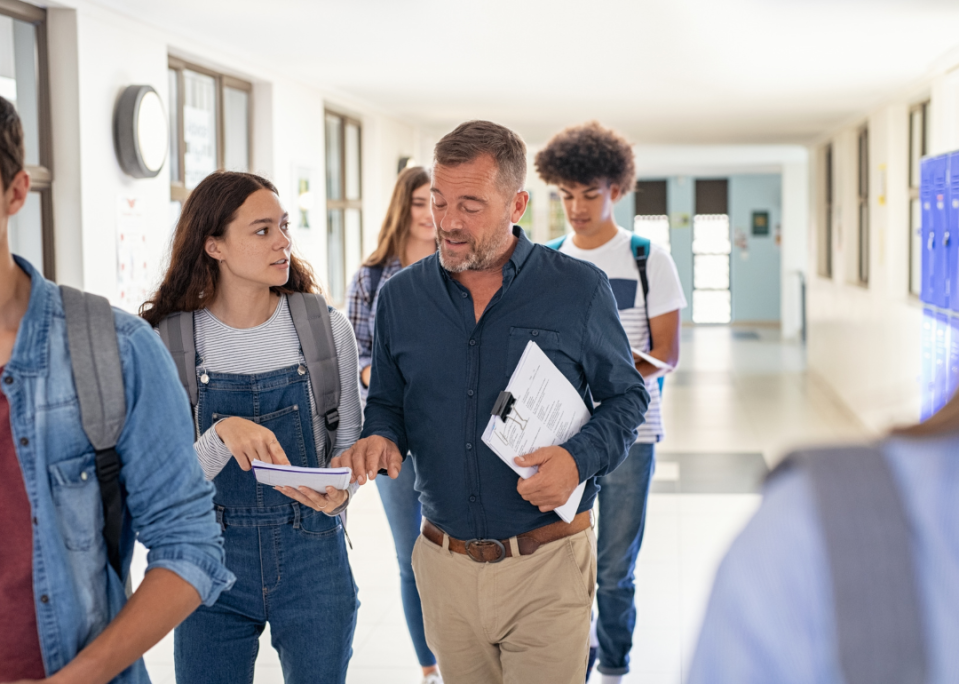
x: 161, y: 602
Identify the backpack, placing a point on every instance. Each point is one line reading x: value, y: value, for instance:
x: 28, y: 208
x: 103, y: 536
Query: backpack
x: 311, y: 318
x: 98, y: 376
x: 640, y: 247
x: 869, y: 549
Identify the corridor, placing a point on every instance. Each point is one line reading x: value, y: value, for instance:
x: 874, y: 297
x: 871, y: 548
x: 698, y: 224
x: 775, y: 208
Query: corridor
x: 739, y: 400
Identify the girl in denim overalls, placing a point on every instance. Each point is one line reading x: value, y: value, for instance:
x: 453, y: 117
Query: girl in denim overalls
x: 232, y: 266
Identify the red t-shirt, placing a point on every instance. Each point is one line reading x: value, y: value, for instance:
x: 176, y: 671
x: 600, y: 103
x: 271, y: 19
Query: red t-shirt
x: 20, y: 655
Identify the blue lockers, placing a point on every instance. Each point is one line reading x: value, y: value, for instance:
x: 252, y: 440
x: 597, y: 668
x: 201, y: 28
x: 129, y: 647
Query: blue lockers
x: 947, y: 246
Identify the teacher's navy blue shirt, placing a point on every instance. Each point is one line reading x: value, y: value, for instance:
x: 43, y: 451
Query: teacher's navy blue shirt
x: 437, y: 372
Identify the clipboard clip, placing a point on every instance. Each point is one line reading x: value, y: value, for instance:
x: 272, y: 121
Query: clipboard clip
x: 504, y: 404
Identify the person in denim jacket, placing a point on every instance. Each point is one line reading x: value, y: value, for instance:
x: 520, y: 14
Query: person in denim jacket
x: 65, y: 612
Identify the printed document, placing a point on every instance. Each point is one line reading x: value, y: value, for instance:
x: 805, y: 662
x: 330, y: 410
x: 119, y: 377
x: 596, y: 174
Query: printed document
x: 317, y: 479
x: 548, y: 411
x: 662, y: 365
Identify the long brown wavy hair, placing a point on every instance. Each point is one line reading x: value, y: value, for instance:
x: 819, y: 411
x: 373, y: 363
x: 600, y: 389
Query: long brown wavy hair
x: 396, y: 226
x: 945, y: 422
x: 191, y: 280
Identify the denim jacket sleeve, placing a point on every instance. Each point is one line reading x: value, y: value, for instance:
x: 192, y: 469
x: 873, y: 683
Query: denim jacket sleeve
x: 614, y: 384
x: 384, y: 405
x: 168, y: 499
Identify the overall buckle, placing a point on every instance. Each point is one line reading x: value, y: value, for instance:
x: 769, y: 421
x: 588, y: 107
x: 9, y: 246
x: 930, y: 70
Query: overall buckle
x: 481, y: 545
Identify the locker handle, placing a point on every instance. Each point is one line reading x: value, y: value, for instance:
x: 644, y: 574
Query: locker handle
x: 945, y: 240
x: 932, y: 242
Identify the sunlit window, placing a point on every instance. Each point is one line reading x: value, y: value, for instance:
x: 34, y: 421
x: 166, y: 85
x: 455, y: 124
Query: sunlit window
x: 344, y: 205
x: 655, y: 228
x: 712, y: 301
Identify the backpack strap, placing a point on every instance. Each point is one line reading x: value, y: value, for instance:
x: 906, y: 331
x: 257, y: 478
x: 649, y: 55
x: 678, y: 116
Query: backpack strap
x: 311, y: 318
x: 98, y: 376
x: 641, y: 247
x: 869, y: 550
x: 556, y: 243
x: 176, y: 331
x: 376, y: 274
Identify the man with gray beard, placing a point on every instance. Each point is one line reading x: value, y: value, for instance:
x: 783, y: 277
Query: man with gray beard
x: 506, y: 585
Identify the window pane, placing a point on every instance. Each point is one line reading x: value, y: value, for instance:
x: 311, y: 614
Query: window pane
x: 712, y: 306
x: 334, y: 145
x: 354, y: 240
x: 655, y: 228
x: 915, y: 146
x: 915, y: 247
x: 18, y: 79
x: 335, y: 255
x: 711, y: 272
x: 236, y: 130
x: 173, y: 104
x: 352, y: 161
x: 26, y: 231
x: 199, y: 126
x: 711, y: 234
x: 557, y: 217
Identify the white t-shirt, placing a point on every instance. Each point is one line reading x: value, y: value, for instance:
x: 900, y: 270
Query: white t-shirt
x: 665, y: 295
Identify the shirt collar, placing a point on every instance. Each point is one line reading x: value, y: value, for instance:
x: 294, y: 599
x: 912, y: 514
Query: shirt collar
x: 520, y: 254
x: 30, y: 350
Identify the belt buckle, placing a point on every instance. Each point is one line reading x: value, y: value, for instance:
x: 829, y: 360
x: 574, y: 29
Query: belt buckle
x: 485, y: 542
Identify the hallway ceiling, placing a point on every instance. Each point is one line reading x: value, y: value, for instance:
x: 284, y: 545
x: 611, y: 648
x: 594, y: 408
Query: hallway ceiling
x: 672, y: 71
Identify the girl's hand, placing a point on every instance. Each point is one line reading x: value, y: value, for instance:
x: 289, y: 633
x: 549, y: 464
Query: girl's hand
x: 325, y: 503
x: 248, y: 441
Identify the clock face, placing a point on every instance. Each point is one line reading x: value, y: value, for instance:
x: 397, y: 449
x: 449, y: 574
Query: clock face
x: 151, y: 131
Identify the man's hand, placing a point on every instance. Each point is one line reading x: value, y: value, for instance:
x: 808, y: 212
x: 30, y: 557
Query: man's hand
x: 368, y: 456
x: 555, y: 481
x: 248, y: 441
x: 325, y: 503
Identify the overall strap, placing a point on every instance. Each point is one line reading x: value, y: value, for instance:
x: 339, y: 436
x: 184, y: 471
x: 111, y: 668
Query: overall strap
x: 869, y: 550
x: 556, y: 243
x: 311, y: 318
x: 98, y: 376
x: 176, y: 331
x: 641, y: 247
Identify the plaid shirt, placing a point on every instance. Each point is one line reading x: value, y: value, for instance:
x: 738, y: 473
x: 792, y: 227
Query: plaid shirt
x: 361, y: 309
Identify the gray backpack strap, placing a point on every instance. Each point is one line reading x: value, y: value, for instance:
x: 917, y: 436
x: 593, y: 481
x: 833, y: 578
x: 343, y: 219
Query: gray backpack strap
x: 311, y: 318
x: 176, y: 331
x: 98, y: 376
x: 869, y: 547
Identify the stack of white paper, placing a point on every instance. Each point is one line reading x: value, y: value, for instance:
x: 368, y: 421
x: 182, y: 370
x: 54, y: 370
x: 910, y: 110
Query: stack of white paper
x: 317, y: 479
x: 548, y: 411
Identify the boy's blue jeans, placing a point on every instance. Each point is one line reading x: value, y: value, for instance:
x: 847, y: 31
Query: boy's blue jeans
x: 622, y: 519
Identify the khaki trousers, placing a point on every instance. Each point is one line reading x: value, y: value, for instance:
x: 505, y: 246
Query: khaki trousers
x: 524, y: 620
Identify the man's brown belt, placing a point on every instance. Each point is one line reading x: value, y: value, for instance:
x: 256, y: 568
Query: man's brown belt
x: 495, y: 550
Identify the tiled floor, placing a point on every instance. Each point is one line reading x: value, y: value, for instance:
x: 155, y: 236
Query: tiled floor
x: 735, y: 397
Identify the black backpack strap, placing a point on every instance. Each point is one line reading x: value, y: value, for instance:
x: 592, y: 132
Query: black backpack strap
x: 311, y: 318
x: 176, y: 331
x: 376, y: 275
x: 98, y: 376
x: 869, y: 549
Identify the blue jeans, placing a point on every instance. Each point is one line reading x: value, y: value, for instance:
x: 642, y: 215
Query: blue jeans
x: 402, y: 505
x: 296, y: 576
x: 622, y: 518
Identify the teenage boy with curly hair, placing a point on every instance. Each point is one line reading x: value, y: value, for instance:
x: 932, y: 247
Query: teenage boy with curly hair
x: 593, y: 168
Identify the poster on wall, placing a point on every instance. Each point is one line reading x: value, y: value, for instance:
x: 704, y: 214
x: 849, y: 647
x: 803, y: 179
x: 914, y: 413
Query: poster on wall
x: 134, y: 262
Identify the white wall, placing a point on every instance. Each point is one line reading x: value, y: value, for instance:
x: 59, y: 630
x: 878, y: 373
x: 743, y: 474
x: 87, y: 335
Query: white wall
x: 87, y: 77
x: 864, y: 340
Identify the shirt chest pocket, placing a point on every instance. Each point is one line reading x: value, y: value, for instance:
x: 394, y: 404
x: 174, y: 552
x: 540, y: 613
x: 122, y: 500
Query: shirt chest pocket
x: 76, y: 495
x: 551, y: 344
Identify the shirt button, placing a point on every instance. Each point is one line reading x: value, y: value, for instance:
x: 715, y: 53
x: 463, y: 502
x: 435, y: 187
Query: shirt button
x: 472, y: 343
x: 469, y: 393
x: 535, y: 333
x: 8, y: 379
x: 472, y: 499
x: 468, y: 446
x: 34, y: 520
x: 44, y: 599
x: 24, y: 441
x: 464, y: 295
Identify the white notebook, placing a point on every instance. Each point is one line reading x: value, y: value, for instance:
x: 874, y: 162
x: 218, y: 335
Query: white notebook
x: 317, y: 479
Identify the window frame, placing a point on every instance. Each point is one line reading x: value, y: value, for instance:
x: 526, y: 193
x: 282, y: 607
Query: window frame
x: 829, y: 197
x: 178, y: 190
x: 41, y: 177
x: 923, y: 109
x: 862, y: 216
x: 342, y: 204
